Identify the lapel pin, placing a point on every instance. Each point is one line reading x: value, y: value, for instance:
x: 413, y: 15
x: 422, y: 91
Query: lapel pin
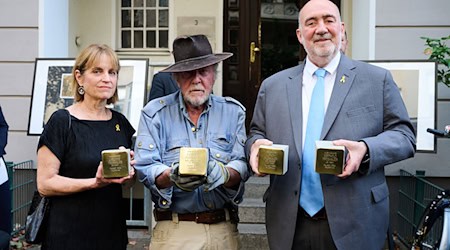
x: 117, y: 127
x: 342, y: 79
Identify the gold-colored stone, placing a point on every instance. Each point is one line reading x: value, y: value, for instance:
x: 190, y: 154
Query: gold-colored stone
x: 273, y: 159
x: 330, y: 159
x: 116, y: 163
x: 193, y: 161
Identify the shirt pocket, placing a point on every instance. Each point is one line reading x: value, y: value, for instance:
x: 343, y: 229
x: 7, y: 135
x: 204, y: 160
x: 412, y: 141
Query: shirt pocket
x: 221, y: 147
x: 172, y: 152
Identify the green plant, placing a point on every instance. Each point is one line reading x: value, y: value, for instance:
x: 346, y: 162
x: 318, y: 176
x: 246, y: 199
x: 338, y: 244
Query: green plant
x: 438, y: 51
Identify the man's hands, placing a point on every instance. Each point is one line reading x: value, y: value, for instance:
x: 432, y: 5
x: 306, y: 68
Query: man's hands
x: 218, y: 174
x: 187, y: 183
x: 356, y: 152
x: 254, y: 154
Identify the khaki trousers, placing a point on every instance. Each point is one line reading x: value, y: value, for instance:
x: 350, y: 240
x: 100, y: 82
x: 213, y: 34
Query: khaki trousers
x: 190, y: 235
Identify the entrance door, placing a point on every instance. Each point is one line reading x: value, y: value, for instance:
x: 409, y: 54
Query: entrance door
x: 262, y: 36
x: 241, y: 73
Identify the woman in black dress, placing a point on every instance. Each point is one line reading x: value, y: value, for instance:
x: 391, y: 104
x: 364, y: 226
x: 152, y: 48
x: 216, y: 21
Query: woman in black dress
x: 86, y: 209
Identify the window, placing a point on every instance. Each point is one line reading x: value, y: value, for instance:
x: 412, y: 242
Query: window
x: 144, y: 24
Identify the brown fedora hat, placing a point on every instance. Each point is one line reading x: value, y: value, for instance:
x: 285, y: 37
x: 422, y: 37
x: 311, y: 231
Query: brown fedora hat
x: 194, y: 52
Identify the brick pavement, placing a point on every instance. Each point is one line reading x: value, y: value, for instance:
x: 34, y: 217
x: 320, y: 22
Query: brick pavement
x: 138, y: 239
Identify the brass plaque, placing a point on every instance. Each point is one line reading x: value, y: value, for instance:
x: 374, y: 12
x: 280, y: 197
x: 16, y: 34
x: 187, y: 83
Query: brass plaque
x: 330, y: 159
x: 273, y: 159
x: 193, y: 161
x: 116, y: 163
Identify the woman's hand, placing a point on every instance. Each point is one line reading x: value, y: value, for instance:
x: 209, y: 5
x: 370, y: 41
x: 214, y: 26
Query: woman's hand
x: 129, y: 180
x: 101, y: 181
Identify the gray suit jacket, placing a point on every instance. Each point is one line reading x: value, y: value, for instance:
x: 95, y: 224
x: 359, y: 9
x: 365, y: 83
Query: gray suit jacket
x: 366, y: 106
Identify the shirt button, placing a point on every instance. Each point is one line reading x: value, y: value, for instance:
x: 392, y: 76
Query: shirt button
x: 164, y: 202
x: 151, y: 146
x: 161, y: 101
x: 218, y: 155
x: 193, y: 129
x: 139, y: 144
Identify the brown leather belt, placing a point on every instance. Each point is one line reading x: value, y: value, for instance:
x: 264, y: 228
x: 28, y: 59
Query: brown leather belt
x: 208, y: 217
x: 321, y: 215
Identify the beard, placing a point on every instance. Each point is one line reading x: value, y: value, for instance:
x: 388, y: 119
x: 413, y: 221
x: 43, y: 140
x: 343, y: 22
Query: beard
x: 196, y: 101
x: 322, y: 51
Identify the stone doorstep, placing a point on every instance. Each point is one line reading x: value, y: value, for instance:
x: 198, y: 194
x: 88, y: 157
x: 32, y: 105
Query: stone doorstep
x: 252, y: 210
x: 255, y: 187
x: 253, y: 236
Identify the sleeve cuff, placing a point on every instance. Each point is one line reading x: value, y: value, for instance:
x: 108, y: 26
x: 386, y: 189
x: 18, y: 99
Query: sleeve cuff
x: 364, y: 166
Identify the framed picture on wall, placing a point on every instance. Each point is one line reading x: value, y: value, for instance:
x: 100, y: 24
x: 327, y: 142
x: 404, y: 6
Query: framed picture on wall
x: 416, y: 81
x: 52, y: 90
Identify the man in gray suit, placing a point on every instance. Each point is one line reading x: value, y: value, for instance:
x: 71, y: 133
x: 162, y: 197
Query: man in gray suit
x: 363, y: 112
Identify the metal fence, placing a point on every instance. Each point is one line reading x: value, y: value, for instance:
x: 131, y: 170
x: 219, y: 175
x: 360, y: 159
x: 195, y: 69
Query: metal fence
x: 415, y: 193
x: 22, y: 177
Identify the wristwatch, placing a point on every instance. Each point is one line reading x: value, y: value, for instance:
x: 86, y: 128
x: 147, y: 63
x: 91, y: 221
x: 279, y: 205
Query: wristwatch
x: 366, y: 158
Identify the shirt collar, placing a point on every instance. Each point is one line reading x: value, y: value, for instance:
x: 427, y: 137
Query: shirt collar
x: 331, y: 67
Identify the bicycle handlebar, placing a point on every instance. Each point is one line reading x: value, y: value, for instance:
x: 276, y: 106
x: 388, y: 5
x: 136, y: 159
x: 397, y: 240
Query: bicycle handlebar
x: 441, y: 133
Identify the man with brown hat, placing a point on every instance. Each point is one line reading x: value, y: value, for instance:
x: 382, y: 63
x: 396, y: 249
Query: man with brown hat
x: 193, y: 211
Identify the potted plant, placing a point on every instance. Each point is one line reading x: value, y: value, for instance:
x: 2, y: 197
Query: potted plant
x: 438, y: 51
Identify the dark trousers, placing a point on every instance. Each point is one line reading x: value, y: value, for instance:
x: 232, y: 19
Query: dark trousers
x: 312, y: 233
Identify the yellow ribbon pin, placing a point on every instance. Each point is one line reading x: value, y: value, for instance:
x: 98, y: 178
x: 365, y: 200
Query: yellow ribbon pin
x: 342, y: 79
x: 117, y: 127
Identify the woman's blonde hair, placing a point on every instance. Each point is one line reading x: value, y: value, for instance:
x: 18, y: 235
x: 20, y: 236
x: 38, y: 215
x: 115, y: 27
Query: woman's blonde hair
x: 89, y: 57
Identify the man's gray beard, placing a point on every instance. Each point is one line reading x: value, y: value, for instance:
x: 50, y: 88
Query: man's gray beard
x: 196, y: 103
x: 327, y: 53
x: 319, y: 52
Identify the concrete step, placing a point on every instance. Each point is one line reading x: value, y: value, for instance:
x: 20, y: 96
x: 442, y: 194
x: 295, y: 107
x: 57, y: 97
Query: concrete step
x: 252, y: 210
x: 256, y: 186
x: 253, y: 236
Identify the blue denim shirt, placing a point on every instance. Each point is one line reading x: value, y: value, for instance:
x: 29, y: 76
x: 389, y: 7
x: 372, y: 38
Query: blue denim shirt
x: 165, y: 126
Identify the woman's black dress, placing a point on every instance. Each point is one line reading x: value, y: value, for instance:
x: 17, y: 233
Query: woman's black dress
x: 93, y: 219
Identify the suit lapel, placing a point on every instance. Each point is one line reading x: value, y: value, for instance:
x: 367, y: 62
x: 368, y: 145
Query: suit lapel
x: 344, y: 80
x: 294, y: 94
